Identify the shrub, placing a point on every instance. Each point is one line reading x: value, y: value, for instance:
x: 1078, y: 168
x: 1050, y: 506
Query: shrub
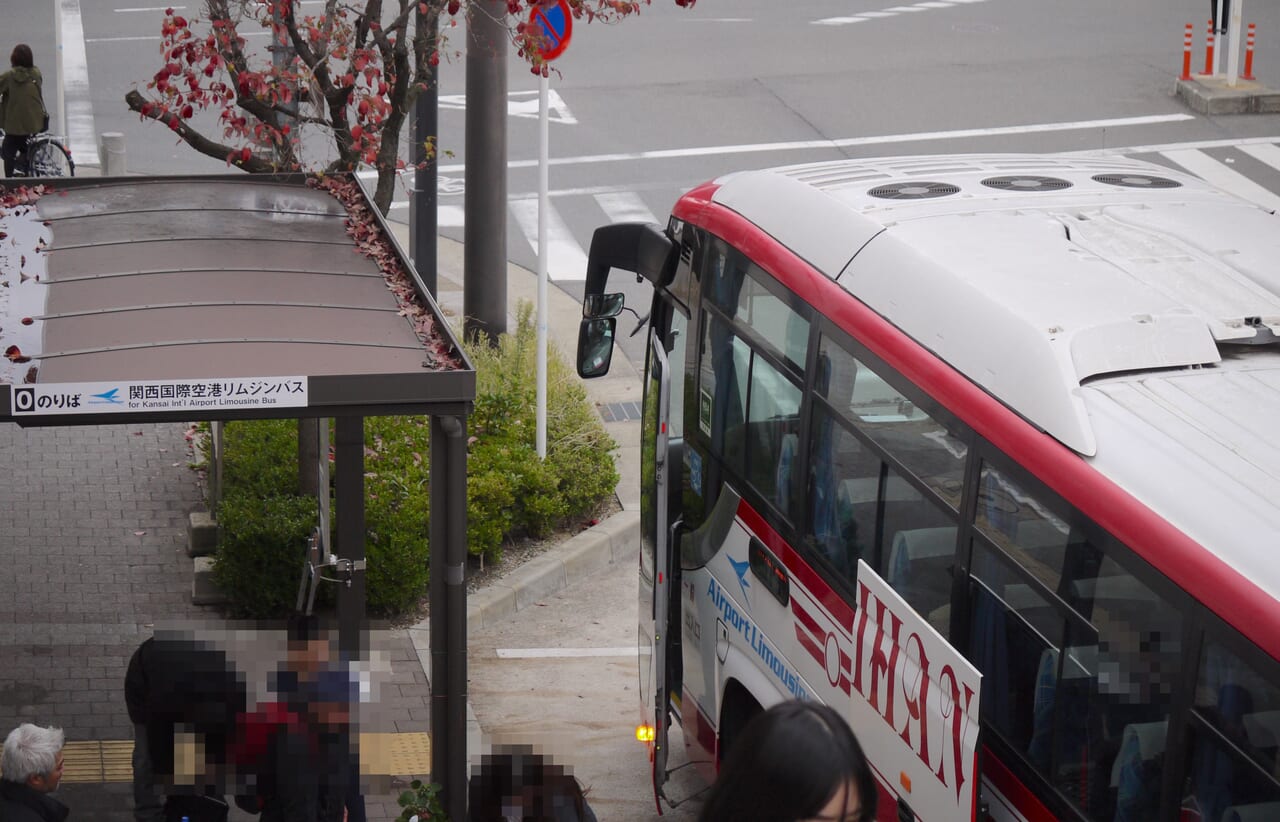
x: 510, y: 492
x: 260, y: 550
x: 536, y: 496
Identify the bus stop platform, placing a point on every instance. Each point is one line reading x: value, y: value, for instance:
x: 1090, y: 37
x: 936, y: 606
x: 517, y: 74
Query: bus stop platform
x: 1211, y: 94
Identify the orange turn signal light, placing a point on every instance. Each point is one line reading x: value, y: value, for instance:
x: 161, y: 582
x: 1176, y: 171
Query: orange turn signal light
x: 644, y: 733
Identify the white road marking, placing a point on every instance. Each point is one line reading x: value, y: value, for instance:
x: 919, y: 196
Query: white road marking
x: 563, y: 653
x: 156, y: 37
x: 520, y: 104
x: 882, y: 139
x: 1156, y: 149
x: 907, y: 9
x: 874, y: 14
x: 1207, y: 168
x: 1268, y: 153
x: 565, y: 258
x: 78, y: 104
x: 447, y: 216
x: 625, y: 207
x: 840, y: 21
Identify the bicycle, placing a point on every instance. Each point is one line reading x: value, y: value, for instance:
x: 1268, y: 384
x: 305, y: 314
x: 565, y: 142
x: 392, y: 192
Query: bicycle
x: 45, y: 156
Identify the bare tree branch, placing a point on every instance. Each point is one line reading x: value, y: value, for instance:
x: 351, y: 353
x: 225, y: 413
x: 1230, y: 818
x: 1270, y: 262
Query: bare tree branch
x: 195, y: 139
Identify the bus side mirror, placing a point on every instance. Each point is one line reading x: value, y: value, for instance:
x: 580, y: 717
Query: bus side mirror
x: 596, y: 306
x: 595, y: 346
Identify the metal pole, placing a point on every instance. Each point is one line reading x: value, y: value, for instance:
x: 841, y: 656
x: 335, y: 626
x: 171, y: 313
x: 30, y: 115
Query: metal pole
x: 1220, y: 24
x: 349, y: 480
x: 484, y: 298
x: 448, y: 612
x: 543, y: 209
x: 423, y: 226
x: 1233, y: 43
x: 61, y: 105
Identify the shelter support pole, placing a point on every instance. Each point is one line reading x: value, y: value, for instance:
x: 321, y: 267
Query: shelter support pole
x: 448, y: 611
x: 349, y: 481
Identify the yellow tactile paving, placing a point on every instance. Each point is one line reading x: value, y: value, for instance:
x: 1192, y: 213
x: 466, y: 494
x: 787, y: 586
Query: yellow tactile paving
x: 392, y: 754
x: 404, y: 754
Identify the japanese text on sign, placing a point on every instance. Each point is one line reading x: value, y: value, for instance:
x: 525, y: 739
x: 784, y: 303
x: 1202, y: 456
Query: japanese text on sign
x: 159, y: 395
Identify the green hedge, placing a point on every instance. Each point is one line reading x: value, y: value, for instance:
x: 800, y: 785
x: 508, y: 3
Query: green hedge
x: 510, y: 492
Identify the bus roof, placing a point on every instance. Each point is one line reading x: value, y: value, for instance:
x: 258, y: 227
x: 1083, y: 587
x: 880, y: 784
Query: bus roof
x: 1121, y: 307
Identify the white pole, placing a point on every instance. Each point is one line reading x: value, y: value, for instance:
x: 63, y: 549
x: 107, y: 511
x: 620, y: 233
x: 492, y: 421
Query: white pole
x: 543, y: 207
x: 1217, y: 38
x: 60, y: 127
x: 1233, y: 43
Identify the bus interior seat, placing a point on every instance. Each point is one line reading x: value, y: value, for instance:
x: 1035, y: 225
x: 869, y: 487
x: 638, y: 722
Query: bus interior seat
x: 1078, y: 676
x: 1258, y: 812
x: 1140, y: 742
x: 919, y: 565
x: 1263, y: 729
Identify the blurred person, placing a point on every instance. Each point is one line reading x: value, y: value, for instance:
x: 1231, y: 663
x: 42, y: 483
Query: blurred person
x: 516, y: 783
x: 22, y: 111
x: 307, y: 771
x: 795, y: 762
x: 177, y: 687
x: 148, y: 799
x: 32, y: 768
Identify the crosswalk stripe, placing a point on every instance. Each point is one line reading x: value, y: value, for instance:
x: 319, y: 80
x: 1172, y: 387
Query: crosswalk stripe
x: 1209, y: 169
x: 1268, y: 153
x: 565, y: 258
x: 625, y: 207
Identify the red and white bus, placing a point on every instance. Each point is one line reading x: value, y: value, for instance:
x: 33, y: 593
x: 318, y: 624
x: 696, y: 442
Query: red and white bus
x: 981, y: 449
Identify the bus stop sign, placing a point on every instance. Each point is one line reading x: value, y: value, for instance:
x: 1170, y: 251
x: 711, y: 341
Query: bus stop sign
x: 555, y: 27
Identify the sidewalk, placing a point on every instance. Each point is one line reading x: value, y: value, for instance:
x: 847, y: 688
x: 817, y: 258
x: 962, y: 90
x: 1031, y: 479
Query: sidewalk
x: 93, y: 537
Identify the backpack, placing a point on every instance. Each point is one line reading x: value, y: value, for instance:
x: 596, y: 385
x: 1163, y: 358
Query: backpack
x: 250, y: 751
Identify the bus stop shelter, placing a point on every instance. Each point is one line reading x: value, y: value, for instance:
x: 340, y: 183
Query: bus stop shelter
x: 178, y: 299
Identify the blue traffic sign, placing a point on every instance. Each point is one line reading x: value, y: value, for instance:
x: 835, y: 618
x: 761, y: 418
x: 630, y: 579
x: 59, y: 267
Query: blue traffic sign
x: 555, y: 27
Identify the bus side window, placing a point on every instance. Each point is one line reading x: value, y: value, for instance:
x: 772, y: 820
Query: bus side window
x: 1232, y: 769
x: 844, y: 480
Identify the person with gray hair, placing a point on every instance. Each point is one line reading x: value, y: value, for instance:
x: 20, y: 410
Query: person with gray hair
x: 31, y: 768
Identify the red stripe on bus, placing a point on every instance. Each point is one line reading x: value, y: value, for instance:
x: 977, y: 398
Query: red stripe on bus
x: 1191, y: 566
x: 1019, y: 796
x: 840, y: 611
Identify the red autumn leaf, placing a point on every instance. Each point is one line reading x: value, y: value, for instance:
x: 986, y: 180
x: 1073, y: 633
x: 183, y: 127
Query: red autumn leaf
x: 27, y: 321
x: 14, y: 354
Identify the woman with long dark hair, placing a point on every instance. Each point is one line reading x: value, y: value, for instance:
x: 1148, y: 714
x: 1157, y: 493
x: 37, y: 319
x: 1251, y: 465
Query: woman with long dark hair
x: 795, y: 762
x: 22, y: 111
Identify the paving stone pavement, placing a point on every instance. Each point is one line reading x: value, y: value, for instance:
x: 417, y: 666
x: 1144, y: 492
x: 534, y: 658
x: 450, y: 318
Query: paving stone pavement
x: 92, y: 558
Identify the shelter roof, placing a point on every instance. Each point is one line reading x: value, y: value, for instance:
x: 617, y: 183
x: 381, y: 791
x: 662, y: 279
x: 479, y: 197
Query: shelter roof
x: 225, y: 295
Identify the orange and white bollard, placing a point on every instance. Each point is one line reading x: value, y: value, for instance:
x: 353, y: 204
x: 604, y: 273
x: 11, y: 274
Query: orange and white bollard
x: 1248, y: 54
x: 1186, y: 54
x: 1208, y: 51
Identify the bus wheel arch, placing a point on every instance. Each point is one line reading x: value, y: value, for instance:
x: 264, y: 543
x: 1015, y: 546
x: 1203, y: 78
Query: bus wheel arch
x: 736, y: 710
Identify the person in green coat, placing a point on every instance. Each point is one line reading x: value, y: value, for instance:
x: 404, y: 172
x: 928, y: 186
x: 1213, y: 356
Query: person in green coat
x: 22, y: 111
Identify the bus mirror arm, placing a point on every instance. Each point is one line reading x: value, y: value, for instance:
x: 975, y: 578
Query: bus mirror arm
x: 642, y: 248
x: 641, y: 322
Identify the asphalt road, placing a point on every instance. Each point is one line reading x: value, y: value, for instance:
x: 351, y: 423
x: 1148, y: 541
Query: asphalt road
x: 562, y: 675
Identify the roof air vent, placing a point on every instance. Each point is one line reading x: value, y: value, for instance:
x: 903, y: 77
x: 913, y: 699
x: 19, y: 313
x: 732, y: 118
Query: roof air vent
x: 1026, y: 182
x: 1136, y: 181
x: 913, y: 191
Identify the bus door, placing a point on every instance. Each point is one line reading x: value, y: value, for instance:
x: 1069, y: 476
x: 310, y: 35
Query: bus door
x: 655, y: 560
